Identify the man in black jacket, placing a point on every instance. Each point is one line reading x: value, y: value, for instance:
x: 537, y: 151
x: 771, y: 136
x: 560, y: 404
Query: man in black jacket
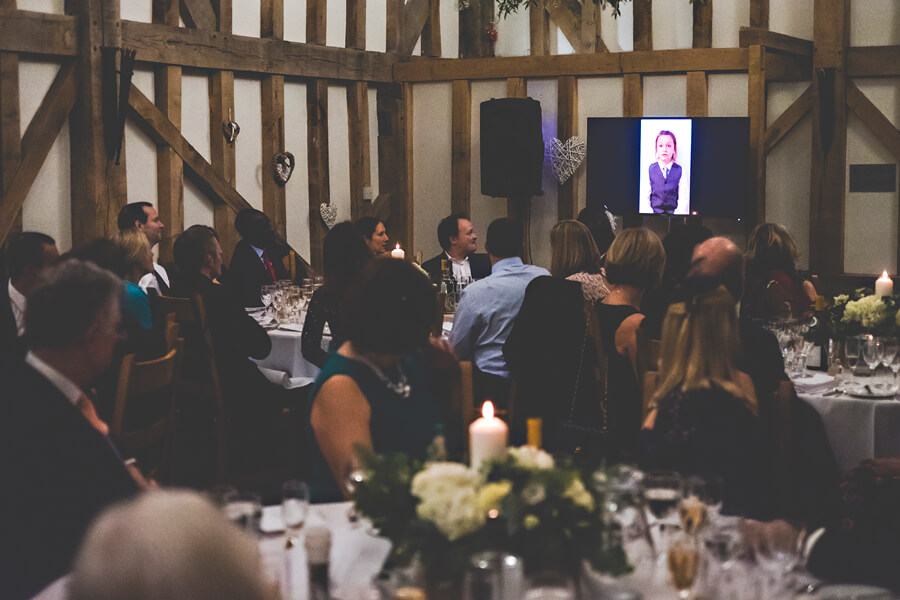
x: 57, y: 464
x: 257, y: 259
x: 459, y: 241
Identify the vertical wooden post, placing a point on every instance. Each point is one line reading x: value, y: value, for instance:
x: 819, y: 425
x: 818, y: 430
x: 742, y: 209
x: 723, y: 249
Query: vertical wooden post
x: 358, y: 133
x: 272, y: 94
x: 97, y: 195
x: 591, y: 39
x: 356, y: 24
x: 395, y: 158
x: 539, y: 29
x: 317, y: 156
x: 10, y: 138
x: 756, y: 107
x: 632, y: 106
x: 316, y: 12
x: 759, y: 13
x: 394, y: 10
x: 223, y: 11
x: 697, y: 94
x: 474, y: 22
x: 643, y: 25
x: 829, y: 153
x: 431, y: 33
x: 222, y: 153
x: 703, y: 24
x: 517, y: 88
x: 461, y: 178
x: 566, y: 127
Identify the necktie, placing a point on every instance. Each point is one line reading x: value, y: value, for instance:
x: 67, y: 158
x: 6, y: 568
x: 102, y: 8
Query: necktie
x: 268, y: 264
x: 665, y: 172
x: 86, y: 407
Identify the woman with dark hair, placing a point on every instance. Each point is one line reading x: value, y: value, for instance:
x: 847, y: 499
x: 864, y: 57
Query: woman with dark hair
x: 344, y: 254
x: 372, y: 392
x: 374, y: 234
x: 773, y: 288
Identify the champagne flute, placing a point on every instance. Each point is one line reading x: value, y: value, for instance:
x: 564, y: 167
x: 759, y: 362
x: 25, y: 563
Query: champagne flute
x: 870, y: 348
x: 294, y: 508
x: 684, y: 562
x: 851, y: 352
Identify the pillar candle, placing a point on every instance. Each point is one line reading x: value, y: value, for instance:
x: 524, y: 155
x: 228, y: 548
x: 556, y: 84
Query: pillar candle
x: 487, y: 437
x: 398, y: 253
x: 884, y: 286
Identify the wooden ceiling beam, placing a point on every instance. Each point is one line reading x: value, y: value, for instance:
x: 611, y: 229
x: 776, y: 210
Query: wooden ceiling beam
x: 873, y: 61
x: 567, y: 16
x: 789, y: 119
x: 38, y: 33
x: 756, y: 36
x: 415, y: 14
x: 880, y: 126
x: 198, y: 14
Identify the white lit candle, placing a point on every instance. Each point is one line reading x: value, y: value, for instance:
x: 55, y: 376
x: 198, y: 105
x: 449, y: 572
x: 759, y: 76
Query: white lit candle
x: 487, y: 436
x: 397, y: 252
x: 884, y: 286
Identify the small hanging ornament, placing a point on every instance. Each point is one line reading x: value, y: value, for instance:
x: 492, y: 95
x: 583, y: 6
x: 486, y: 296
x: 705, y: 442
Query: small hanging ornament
x: 230, y: 128
x: 284, y: 162
x: 491, y: 32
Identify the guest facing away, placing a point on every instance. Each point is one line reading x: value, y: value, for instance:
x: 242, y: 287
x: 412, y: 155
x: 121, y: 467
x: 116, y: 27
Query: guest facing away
x: 488, y: 309
x: 56, y: 455
x: 257, y: 258
x: 458, y: 239
x: 141, y: 216
x: 168, y: 544
x: 774, y: 289
x: 344, y: 254
x: 27, y: 255
x: 546, y: 350
x: 599, y: 222
x: 374, y: 234
x: 372, y: 391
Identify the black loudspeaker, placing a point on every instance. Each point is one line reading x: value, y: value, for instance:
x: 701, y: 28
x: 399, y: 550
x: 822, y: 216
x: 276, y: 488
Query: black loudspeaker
x: 512, y: 147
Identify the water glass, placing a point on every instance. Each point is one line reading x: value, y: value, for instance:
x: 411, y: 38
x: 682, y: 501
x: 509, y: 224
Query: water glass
x: 294, y: 507
x: 244, y: 509
x: 890, y: 347
x: 872, y: 352
x: 851, y: 352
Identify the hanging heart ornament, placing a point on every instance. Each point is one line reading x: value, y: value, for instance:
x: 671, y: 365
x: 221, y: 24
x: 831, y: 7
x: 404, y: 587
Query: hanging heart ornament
x: 284, y: 166
x: 329, y: 214
x: 566, y: 157
x: 231, y: 130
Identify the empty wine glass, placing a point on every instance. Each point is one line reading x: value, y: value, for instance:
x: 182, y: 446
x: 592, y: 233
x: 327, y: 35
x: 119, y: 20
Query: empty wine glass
x: 890, y: 347
x: 294, y: 508
x: 895, y: 366
x: 872, y: 351
x: 851, y: 353
x: 266, y: 292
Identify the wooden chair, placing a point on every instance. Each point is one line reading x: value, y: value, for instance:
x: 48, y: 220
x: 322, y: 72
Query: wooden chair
x: 200, y: 373
x: 144, y: 412
x: 463, y: 394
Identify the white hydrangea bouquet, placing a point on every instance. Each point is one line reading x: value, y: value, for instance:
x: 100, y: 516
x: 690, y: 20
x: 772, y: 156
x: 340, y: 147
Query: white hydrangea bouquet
x: 861, y: 312
x: 443, y: 512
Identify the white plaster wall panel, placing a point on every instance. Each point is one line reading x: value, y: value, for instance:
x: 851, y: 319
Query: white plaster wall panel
x: 609, y: 29
x: 35, y: 78
x: 544, y: 210
x: 727, y: 95
x: 250, y: 165
x: 884, y: 94
x: 417, y: 49
x: 870, y: 223
x: 562, y: 42
x: 787, y: 185
x: 297, y: 189
x: 198, y: 208
x: 450, y: 29
x: 136, y: 10
x: 48, y: 205
x: 144, y: 80
x: 432, y: 163
x: 780, y: 97
x: 336, y: 24
x: 597, y: 97
x: 295, y: 21
x: 245, y: 18
x: 140, y: 164
x: 792, y: 17
x: 513, y: 33
x: 673, y: 24
x: 373, y: 140
x: 625, y: 26
x: 727, y: 19
x: 874, y: 22
x: 484, y: 208
x: 57, y: 7
x: 376, y: 25
x: 338, y: 151
x: 665, y: 96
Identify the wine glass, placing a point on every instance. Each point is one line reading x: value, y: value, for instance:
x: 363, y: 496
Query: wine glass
x: 278, y: 303
x: 890, y: 347
x: 851, y: 353
x: 709, y: 489
x: 895, y: 366
x: 318, y: 281
x: 294, y: 508
x: 684, y: 562
x: 244, y: 509
x: 663, y: 491
x: 266, y: 292
x: 870, y: 349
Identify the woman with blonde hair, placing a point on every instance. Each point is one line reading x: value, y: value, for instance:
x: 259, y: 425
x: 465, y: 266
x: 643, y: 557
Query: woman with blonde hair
x: 543, y: 350
x: 135, y: 249
x: 703, y: 416
x: 773, y: 288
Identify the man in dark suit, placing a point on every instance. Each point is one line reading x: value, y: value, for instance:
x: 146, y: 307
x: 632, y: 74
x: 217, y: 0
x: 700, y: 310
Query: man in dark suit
x: 27, y: 254
x: 257, y: 258
x: 459, y: 241
x: 58, y: 466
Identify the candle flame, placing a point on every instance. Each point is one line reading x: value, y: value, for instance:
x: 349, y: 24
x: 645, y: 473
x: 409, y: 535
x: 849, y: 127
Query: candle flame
x: 487, y: 409
x: 397, y: 247
x: 884, y: 275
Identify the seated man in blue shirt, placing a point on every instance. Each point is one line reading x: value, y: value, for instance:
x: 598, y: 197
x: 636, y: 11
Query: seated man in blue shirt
x: 489, y: 307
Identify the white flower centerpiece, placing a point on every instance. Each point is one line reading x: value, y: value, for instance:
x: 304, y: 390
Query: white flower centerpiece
x: 444, y: 512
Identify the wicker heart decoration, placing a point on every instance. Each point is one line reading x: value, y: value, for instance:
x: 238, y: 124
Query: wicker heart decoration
x: 231, y: 131
x: 284, y: 166
x: 329, y: 214
x: 566, y: 157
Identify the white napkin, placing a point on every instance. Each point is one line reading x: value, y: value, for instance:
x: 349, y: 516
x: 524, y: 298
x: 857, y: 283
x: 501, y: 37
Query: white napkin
x: 283, y: 379
x: 817, y: 382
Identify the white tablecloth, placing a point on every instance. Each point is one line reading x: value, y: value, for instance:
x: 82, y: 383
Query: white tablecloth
x: 858, y: 428
x: 285, y: 364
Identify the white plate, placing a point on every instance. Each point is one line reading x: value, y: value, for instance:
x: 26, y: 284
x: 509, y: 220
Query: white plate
x: 852, y: 592
x: 860, y: 391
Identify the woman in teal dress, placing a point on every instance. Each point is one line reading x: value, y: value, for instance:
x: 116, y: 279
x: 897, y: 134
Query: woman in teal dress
x: 372, y: 391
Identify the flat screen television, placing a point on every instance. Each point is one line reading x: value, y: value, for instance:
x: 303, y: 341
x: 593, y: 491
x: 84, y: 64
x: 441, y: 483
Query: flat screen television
x: 669, y: 166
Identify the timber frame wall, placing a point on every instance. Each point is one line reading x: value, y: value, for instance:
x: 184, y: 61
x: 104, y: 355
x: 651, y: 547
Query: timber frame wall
x: 78, y: 39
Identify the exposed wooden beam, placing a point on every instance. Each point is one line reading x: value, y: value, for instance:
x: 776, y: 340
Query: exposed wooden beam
x: 316, y: 15
x: 786, y: 67
x: 516, y: 87
x: 222, y: 153
x: 211, y: 50
x: 632, y: 95
x: 431, y: 33
x: 355, y: 35
x: 271, y: 19
x: 756, y: 36
x: 415, y: 14
x: 567, y: 16
x: 273, y: 143
x: 394, y: 107
x: 873, y: 61
x: 461, y: 163
x: 38, y: 33
x: 36, y: 144
x: 643, y: 25
x: 697, y: 94
x: 566, y: 127
x: 10, y: 126
x: 317, y: 160
x: 759, y: 13
x: 359, y: 138
x: 702, y: 33
x: 755, y: 207
x: 714, y: 60
x: 591, y: 39
x: 394, y: 17
x: 788, y: 119
x: 474, y: 22
x: 539, y: 28
x: 223, y: 10
x: 880, y: 126
x: 198, y: 14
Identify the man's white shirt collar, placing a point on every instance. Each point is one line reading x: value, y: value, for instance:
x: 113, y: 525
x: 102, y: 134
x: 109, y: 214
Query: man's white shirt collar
x: 66, y: 386
x: 18, y: 303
